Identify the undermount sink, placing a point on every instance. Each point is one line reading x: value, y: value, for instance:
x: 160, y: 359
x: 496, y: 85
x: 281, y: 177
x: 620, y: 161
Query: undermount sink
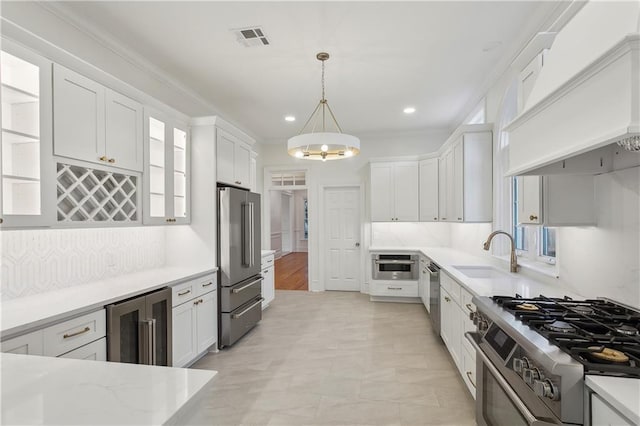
x: 488, y: 272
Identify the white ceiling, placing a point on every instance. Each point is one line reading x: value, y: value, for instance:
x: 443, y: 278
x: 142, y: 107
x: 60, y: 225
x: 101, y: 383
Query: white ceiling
x: 384, y: 56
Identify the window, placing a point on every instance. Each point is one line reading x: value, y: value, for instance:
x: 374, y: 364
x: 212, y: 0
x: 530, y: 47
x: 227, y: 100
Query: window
x: 532, y: 242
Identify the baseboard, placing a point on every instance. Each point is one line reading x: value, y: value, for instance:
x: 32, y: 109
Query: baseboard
x: 395, y: 299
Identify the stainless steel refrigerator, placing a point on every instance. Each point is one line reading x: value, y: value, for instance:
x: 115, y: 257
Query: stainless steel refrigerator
x: 239, y: 256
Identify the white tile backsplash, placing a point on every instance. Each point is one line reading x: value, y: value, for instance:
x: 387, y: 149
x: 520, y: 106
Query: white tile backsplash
x: 36, y: 261
x: 416, y: 234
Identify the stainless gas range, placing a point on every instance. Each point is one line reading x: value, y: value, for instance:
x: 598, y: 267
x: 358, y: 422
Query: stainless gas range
x: 532, y: 355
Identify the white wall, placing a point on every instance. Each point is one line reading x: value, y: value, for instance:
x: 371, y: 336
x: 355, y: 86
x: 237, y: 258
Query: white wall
x: 414, y: 234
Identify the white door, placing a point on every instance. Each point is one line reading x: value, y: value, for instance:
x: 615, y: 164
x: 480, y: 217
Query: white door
x: 207, y: 321
x: 342, y: 238
x: 225, y: 152
x: 286, y: 218
x: 124, y: 131
x: 184, y: 333
x: 382, y: 207
x: 242, y: 164
x: 406, y: 193
x: 457, y: 211
x: 429, y: 190
x: 529, y: 199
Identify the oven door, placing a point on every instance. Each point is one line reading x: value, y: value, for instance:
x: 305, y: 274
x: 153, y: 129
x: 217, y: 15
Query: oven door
x: 497, y: 404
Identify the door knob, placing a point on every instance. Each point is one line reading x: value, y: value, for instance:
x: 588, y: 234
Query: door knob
x: 357, y: 244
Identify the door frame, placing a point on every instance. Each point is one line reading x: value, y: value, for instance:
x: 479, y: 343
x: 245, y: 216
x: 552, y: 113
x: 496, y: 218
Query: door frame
x: 266, y: 214
x: 322, y: 228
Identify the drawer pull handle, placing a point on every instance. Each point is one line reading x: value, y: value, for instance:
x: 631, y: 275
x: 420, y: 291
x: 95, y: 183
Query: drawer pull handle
x: 77, y: 333
x: 470, y: 381
x: 533, y: 217
x: 469, y: 307
x: 238, y: 315
x: 394, y: 288
x: 207, y: 284
x: 184, y: 292
x: 446, y: 298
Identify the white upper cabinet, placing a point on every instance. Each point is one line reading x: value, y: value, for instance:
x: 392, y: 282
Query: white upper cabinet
x: 167, y: 177
x: 233, y: 160
x: 394, y: 192
x: 527, y: 78
x: 429, y: 190
x: 95, y: 124
x: 556, y: 200
x: 28, y: 194
x: 123, y: 131
x: 466, y: 178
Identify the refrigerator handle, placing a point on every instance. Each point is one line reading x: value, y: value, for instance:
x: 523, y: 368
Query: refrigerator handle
x: 246, y: 234
x: 252, y: 236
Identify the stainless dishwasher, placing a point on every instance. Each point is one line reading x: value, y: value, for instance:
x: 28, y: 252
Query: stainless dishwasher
x: 434, y: 296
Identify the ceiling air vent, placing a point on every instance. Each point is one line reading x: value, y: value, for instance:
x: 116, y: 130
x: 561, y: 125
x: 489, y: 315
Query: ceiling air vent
x: 251, y: 37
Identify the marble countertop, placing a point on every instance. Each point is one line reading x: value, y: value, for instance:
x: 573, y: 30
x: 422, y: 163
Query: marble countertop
x: 622, y: 393
x: 512, y: 283
x: 43, y: 390
x: 267, y: 252
x: 30, y: 312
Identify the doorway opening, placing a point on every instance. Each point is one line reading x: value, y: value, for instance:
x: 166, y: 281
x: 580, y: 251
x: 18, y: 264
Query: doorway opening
x: 289, y: 220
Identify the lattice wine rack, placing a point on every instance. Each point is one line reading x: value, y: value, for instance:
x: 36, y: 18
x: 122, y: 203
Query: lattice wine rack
x: 89, y: 195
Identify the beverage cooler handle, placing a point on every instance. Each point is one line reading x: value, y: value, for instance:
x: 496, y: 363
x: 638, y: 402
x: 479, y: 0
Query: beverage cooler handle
x: 152, y: 341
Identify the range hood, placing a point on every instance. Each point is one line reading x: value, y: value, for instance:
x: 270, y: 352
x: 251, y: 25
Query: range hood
x: 586, y: 99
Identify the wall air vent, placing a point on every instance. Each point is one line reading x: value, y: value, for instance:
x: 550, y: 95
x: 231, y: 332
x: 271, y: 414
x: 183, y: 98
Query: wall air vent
x: 251, y: 36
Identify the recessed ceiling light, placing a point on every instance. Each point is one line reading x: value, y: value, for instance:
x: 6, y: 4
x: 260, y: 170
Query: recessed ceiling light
x: 290, y: 118
x: 409, y: 110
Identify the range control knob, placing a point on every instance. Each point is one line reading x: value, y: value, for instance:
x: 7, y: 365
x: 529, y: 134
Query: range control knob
x: 517, y: 365
x: 546, y: 389
x: 531, y: 375
x: 473, y: 317
x: 483, y: 325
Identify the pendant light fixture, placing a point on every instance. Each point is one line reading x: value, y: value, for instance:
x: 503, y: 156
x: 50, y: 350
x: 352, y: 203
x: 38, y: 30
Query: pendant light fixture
x: 323, y: 144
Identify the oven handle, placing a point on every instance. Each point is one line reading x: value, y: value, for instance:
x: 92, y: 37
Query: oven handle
x: 531, y: 419
x: 395, y: 262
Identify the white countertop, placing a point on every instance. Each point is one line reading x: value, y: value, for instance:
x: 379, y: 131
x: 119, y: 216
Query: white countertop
x: 512, y: 283
x: 42, y: 390
x: 622, y: 393
x: 267, y: 252
x: 25, y: 313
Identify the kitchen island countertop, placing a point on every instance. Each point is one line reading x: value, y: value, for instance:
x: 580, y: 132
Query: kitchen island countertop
x: 43, y: 390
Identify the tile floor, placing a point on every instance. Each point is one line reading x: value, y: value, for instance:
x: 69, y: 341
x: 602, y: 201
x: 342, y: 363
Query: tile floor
x: 335, y: 358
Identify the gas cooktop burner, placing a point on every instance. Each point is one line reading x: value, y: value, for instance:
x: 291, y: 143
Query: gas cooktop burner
x: 560, y: 327
x: 627, y: 330
x: 584, y: 310
x: 528, y: 307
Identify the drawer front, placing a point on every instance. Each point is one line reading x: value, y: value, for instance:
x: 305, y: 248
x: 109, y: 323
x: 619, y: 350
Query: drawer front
x: 69, y: 335
x: 267, y: 261
x: 95, y: 351
x: 452, y: 287
x: 180, y: 293
x: 391, y: 288
x: 237, y: 323
x: 205, y: 284
x: 233, y: 297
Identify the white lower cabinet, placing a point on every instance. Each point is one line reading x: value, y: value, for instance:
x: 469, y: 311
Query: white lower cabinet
x: 195, y: 322
x: 94, y: 351
x: 455, y: 322
x: 394, y: 288
x: 603, y: 414
x: 268, y: 280
x: 83, y: 337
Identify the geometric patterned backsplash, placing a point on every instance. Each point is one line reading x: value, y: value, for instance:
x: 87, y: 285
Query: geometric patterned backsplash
x: 37, y: 261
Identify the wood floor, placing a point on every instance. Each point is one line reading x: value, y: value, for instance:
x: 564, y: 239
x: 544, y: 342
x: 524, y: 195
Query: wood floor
x: 291, y: 272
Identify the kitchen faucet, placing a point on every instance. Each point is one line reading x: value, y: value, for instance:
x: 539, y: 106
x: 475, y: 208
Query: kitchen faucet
x: 513, y: 266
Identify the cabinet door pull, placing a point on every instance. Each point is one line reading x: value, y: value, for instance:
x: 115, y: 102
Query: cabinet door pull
x: 184, y: 292
x: 394, y: 288
x: 66, y: 336
x: 111, y: 160
x: 470, y: 381
x: 207, y: 284
x: 533, y: 217
x: 238, y: 182
x: 446, y: 298
x: 435, y: 218
x: 103, y: 158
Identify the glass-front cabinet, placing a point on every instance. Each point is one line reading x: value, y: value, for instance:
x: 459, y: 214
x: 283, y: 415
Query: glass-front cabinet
x: 28, y: 189
x: 167, y: 167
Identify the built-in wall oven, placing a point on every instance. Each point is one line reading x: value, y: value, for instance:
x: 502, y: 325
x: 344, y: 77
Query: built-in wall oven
x: 395, y: 267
